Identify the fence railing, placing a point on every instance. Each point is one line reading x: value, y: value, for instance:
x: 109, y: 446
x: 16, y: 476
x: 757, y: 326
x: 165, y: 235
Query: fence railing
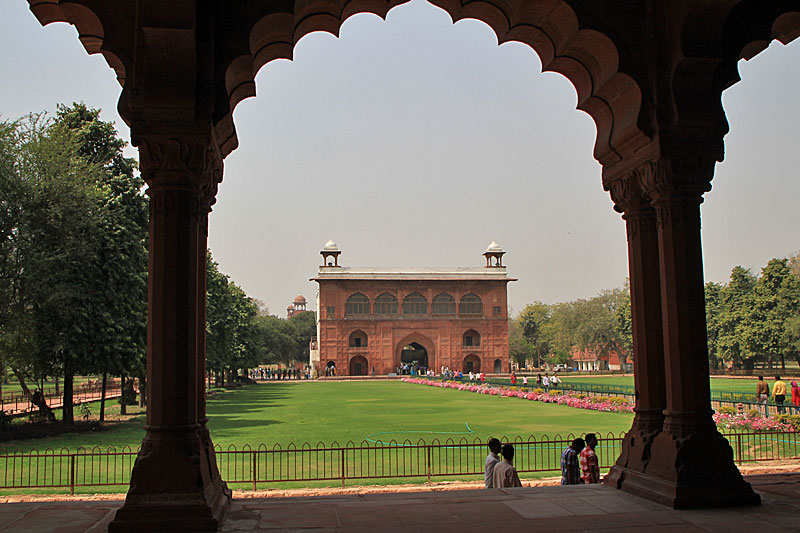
x: 17, y: 402
x: 265, y: 465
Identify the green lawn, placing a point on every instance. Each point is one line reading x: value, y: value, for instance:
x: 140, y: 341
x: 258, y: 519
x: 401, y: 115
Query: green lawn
x: 346, y: 413
x: 327, y: 412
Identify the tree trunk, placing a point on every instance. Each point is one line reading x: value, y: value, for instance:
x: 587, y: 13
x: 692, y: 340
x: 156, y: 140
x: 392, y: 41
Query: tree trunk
x: 67, y: 410
x: 36, y: 399
x: 56, y: 380
x: 123, y: 402
x: 103, y: 399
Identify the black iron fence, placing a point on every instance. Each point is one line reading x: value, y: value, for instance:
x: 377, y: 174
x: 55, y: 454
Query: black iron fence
x: 262, y: 466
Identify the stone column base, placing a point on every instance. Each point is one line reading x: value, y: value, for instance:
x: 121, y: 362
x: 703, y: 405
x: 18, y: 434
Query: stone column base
x: 687, y: 473
x: 173, y: 487
x: 174, y: 512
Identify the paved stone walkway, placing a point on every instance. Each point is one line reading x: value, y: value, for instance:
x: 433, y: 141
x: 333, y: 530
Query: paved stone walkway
x: 580, y: 508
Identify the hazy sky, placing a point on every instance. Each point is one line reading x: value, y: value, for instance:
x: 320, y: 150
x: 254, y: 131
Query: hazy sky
x: 415, y: 142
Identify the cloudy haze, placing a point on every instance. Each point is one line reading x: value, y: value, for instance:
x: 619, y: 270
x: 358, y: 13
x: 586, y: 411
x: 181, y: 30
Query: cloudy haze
x: 416, y: 142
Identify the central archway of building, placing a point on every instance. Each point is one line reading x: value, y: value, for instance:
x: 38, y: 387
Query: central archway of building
x: 414, y: 354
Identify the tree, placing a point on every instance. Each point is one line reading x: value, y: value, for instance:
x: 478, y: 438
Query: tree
x: 736, y: 298
x: 624, y: 323
x: 306, y: 325
x: 520, y: 349
x: 775, y: 300
x: 72, y: 282
x: 713, y: 297
x: 232, y: 332
x: 533, y: 321
x: 119, y: 310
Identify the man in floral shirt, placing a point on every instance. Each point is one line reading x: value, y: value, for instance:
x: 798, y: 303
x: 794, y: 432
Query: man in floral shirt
x: 590, y: 468
x: 570, y: 467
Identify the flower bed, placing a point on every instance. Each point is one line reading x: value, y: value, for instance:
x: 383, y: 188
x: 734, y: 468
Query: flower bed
x: 595, y: 403
x: 750, y: 422
x: 724, y: 420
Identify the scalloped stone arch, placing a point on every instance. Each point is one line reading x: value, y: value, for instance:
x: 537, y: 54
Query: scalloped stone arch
x: 89, y: 26
x: 732, y: 31
x: 587, y: 58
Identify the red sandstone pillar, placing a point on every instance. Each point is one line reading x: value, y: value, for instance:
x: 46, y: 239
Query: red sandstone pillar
x: 691, y: 464
x: 173, y: 486
x: 648, y: 347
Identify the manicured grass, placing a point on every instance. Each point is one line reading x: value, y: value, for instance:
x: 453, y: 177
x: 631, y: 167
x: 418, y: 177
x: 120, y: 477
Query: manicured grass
x: 347, y: 413
x: 327, y: 412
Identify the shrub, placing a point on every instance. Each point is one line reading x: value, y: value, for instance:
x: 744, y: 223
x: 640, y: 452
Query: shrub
x: 791, y: 420
x: 538, y: 391
x: 617, y: 400
x: 727, y: 410
x: 554, y: 392
x: 753, y: 413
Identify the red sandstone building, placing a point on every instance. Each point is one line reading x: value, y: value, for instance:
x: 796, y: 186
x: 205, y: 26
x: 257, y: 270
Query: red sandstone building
x: 383, y: 318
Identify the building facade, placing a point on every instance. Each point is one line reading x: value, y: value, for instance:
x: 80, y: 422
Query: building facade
x: 384, y: 318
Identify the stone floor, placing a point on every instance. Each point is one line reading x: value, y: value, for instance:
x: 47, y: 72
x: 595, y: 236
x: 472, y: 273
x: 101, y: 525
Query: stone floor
x: 580, y: 508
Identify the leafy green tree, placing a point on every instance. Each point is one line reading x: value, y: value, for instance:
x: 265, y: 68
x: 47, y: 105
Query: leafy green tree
x: 713, y: 296
x: 119, y: 310
x: 533, y: 322
x: 306, y: 325
x: 775, y: 300
x: 520, y: 350
x: 736, y: 299
x: 624, y: 323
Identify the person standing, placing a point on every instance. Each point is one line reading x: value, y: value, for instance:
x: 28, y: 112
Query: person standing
x: 491, y: 461
x: 795, y: 398
x: 524, y: 381
x: 779, y: 393
x: 505, y: 475
x: 570, y: 463
x: 762, y: 394
x: 513, y: 378
x: 590, y: 467
x: 546, y: 381
x: 483, y: 378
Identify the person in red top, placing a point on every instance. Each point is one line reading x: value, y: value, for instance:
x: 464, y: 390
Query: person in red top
x: 590, y: 468
x: 513, y: 378
x: 795, y: 398
x: 483, y: 378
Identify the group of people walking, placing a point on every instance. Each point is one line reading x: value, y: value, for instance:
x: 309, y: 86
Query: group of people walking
x: 778, y: 395
x: 579, y: 464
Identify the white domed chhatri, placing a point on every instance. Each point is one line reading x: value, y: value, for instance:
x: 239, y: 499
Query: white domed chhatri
x: 330, y: 254
x: 494, y: 247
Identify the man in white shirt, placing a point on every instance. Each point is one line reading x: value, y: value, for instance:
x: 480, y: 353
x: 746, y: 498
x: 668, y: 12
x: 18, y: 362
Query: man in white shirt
x: 491, y: 461
x: 505, y: 475
x: 546, y: 381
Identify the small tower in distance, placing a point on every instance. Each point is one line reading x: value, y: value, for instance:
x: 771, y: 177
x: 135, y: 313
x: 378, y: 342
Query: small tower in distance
x: 330, y: 254
x: 494, y: 256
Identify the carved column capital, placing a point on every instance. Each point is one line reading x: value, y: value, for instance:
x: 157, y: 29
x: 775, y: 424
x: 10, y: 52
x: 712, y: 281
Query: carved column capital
x: 627, y: 191
x: 686, y: 175
x: 191, y: 162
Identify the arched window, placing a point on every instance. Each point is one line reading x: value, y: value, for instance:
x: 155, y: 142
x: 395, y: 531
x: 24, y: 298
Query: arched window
x: 444, y: 304
x: 415, y: 304
x: 358, y: 339
x: 357, y: 305
x: 471, y: 304
x: 471, y: 338
x: 386, y: 304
